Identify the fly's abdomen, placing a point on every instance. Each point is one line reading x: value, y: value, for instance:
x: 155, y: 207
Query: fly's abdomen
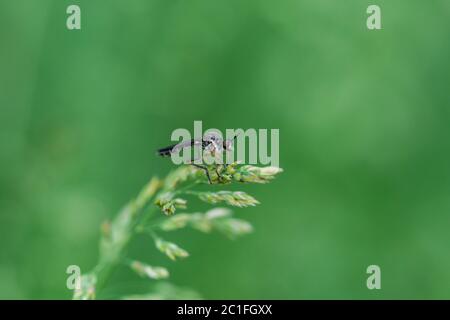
x: 167, y: 151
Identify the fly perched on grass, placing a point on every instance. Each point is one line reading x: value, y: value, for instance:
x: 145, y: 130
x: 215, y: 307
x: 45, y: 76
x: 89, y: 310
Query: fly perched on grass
x: 211, y: 144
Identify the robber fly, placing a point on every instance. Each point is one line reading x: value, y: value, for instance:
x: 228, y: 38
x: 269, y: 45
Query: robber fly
x: 211, y: 143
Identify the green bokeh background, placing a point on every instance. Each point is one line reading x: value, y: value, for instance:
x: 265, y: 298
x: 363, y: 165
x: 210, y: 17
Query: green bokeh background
x: 364, y: 119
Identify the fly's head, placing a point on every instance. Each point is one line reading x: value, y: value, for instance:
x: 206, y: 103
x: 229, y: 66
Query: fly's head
x: 214, y: 143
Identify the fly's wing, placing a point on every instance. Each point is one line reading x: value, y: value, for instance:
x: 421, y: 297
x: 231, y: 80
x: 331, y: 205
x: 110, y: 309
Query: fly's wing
x: 167, y: 151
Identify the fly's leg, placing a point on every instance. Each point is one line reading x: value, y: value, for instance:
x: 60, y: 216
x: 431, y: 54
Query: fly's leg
x: 219, y: 176
x: 205, y: 169
x: 224, y: 167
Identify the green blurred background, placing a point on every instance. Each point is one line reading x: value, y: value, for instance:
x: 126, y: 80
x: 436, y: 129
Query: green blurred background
x: 364, y: 119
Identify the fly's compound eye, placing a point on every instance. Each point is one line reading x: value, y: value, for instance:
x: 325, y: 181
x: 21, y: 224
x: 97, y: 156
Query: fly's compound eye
x: 213, y: 138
